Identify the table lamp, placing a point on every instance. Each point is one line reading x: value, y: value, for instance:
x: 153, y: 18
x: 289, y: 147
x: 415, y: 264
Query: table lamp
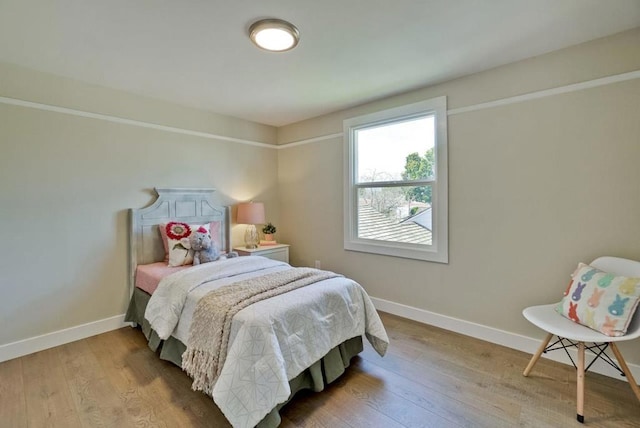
x: 251, y: 213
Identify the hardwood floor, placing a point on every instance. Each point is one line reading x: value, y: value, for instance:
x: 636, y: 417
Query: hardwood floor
x: 429, y: 378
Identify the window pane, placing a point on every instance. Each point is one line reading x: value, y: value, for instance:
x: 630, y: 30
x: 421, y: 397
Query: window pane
x: 394, y: 160
x: 398, y: 151
x: 396, y: 214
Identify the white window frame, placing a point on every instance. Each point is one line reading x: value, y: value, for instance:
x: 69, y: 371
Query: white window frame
x: 439, y: 250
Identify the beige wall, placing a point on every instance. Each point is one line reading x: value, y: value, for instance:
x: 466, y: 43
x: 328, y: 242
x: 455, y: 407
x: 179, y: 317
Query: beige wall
x: 66, y: 183
x: 534, y: 188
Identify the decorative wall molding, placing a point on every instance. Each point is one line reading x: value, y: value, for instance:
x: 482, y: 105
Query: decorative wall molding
x: 60, y: 337
x: 548, y: 92
x: 506, y: 101
x: 131, y: 122
x: 490, y: 104
x: 310, y: 140
x: 518, y: 342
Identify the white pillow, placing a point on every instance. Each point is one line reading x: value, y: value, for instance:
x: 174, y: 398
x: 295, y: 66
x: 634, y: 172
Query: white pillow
x: 178, y: 246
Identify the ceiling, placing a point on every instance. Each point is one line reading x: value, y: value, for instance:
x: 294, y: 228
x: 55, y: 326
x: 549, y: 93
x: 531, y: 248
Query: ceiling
x: 197, y: 52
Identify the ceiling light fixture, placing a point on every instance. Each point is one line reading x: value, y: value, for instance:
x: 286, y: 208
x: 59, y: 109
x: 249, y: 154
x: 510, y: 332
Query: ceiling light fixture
x: 274, y: 35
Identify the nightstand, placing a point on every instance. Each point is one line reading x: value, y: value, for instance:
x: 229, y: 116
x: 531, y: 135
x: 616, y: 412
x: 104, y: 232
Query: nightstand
x: 276, y: 252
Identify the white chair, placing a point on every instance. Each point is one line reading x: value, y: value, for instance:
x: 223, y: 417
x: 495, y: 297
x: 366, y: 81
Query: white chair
x: 546, y: 318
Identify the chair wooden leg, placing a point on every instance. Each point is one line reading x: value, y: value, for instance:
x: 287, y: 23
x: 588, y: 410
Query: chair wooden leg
x: 536, y: 356
x: 625, y: 369
x: 580, y: 382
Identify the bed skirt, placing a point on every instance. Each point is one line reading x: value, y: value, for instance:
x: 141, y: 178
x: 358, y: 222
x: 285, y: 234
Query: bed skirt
x: 321, y: 373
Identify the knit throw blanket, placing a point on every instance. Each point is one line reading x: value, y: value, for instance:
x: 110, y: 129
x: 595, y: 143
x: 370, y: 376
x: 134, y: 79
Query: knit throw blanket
x: 209, y: 332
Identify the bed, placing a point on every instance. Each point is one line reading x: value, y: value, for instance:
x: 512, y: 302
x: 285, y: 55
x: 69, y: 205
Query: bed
x: 267, y: 344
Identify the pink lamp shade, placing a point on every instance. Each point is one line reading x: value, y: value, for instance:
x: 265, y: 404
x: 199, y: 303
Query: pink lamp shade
x: 251, y: 213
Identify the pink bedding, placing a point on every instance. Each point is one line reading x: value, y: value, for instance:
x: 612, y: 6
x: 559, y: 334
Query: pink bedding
x: 148, y: 276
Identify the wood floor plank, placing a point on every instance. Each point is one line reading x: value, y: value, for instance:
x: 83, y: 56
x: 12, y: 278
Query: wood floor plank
x: 13, y: 409
x: 173, y: 387
x: 428, y: 398
x: 96, y: 401
x: 48, y: 398
x: 309, y: 417
x: 470, y: 394
x: 555, y: 393
x: 138, y: 396
x: 343, y: 402
x: 430, y: 377
x: 307, y: 411
x: 375, y: 392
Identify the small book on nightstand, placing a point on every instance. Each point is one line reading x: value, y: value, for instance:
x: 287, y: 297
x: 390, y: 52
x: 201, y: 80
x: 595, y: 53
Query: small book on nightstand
x: 264, y: 243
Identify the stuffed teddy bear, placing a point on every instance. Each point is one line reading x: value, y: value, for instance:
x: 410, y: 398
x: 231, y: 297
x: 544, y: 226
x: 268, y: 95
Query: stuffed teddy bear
x: 204, y: 250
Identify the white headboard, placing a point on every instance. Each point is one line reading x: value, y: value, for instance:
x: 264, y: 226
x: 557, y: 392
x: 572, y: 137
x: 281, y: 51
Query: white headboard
x: 195, y: 206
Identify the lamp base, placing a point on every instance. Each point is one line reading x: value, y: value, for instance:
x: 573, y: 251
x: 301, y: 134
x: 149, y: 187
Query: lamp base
x: 251, y: 238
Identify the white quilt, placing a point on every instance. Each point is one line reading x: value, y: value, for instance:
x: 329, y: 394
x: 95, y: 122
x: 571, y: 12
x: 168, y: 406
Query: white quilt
x: 165, y: 307
x: 271, y: 341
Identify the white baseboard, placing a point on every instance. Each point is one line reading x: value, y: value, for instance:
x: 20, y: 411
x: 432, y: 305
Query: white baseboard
x: 60, y: 337
x: 494, y: 335
x: 478, y: 331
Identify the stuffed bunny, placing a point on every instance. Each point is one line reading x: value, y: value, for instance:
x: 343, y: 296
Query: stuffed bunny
x: 204, y: 250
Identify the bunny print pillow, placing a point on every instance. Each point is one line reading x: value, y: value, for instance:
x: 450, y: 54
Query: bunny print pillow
x: 600, y: 300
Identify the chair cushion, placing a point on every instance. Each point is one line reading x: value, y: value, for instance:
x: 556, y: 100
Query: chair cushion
x: 599, y: 300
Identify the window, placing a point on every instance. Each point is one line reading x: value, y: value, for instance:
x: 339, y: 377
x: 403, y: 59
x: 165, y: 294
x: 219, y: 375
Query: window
x: 395, y: 194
